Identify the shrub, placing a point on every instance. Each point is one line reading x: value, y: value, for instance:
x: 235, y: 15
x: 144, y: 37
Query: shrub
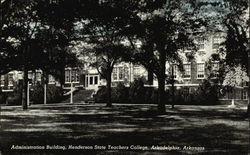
x: 207, y: 94
x: 120, y: 94
x: 101, y: 95
x: 3, y: 98
x: 137, y: 92
x: 36, y: 96
x: 54, y: 94
x: 14, y: 99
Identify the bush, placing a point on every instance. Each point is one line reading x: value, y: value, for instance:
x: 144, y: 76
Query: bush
x: 3, y: 98
x: 101, y: 95
x: 36, y: 96
x: 14, y: 99
x: 119, y: 94
x: 137, y: 92
x: 207, y: 94
x: 54, y: 94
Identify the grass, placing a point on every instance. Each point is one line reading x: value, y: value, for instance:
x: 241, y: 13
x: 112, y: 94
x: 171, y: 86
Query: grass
x: 217, y: 129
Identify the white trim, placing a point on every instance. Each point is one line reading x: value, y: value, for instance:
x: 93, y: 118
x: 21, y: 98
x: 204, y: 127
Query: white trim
x: 183, y: 84
x: 7, y: 90
x: 2, y: 78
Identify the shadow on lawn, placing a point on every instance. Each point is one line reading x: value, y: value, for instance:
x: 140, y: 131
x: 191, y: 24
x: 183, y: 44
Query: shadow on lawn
x: 135, y: 126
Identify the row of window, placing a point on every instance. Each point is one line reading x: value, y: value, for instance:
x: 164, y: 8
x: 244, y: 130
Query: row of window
x: 120, y: 73
x: 200, y: 70
x: 72, y: 76
x: 93, y: 80
x: 10, y: 80
x: 215, y: 44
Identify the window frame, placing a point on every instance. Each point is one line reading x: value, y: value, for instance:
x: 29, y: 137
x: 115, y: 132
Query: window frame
x: 10, y: 81
x: 187, y: 71
x: 199, y: 71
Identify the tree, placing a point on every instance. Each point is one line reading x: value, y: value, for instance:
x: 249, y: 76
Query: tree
x: 20, y: 24
x: 168, y: 27
x: 27, y: 30
x: 55, y: 37
x: 236, y: 23
x: 104, y: 29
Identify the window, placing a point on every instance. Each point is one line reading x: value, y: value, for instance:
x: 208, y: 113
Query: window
x: 215, y: 70
x: 30, y: 75
x: 136, y: 72
x: 187, y: 71
x: 201, y: 43
x: 38, y: 76
x: 2, y: 80
x: 91, y: 80
x: 216, y: 42
x: 51, y: 79
x: 53, y: 1
x: 244, y: 95
x: 200, y: 70
x: 245, y: 84
x: 126, y: 73
x: 67, y: 75
x: 96, y: 79
x: 10, y: 79
x: 121, y: 73
x: 175, y: 71
x: 115, y: 73
x: 75, y: 75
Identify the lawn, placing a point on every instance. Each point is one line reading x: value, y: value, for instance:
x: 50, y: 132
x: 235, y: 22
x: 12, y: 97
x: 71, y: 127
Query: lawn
x: 123, y: 129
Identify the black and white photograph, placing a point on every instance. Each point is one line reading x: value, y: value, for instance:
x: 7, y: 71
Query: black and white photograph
x: 124, y: 77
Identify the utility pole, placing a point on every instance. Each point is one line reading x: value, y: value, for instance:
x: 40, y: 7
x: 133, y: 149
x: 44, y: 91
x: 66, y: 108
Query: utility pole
x: 45, y: 93
x: 71, y: 87
x: 28, y: 94
x: 71, y: 92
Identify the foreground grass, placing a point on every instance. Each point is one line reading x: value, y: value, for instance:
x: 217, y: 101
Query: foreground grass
x: 202, y: 129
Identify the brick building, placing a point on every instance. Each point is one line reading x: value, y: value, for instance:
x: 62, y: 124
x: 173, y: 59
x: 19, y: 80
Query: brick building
x: 196, y: 70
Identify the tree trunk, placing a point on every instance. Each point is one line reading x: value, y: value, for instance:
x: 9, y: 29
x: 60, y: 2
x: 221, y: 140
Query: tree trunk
x: 150, y: 51
x: 109, y: 103
x: 161, y: 95
x: 25, y: 79
x: 173, y: 89
x: 150, y: 77
x: 161, y: 83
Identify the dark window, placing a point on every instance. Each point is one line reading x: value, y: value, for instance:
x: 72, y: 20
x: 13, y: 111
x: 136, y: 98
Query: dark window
x: 96, y: 80
x: 91, y: 80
